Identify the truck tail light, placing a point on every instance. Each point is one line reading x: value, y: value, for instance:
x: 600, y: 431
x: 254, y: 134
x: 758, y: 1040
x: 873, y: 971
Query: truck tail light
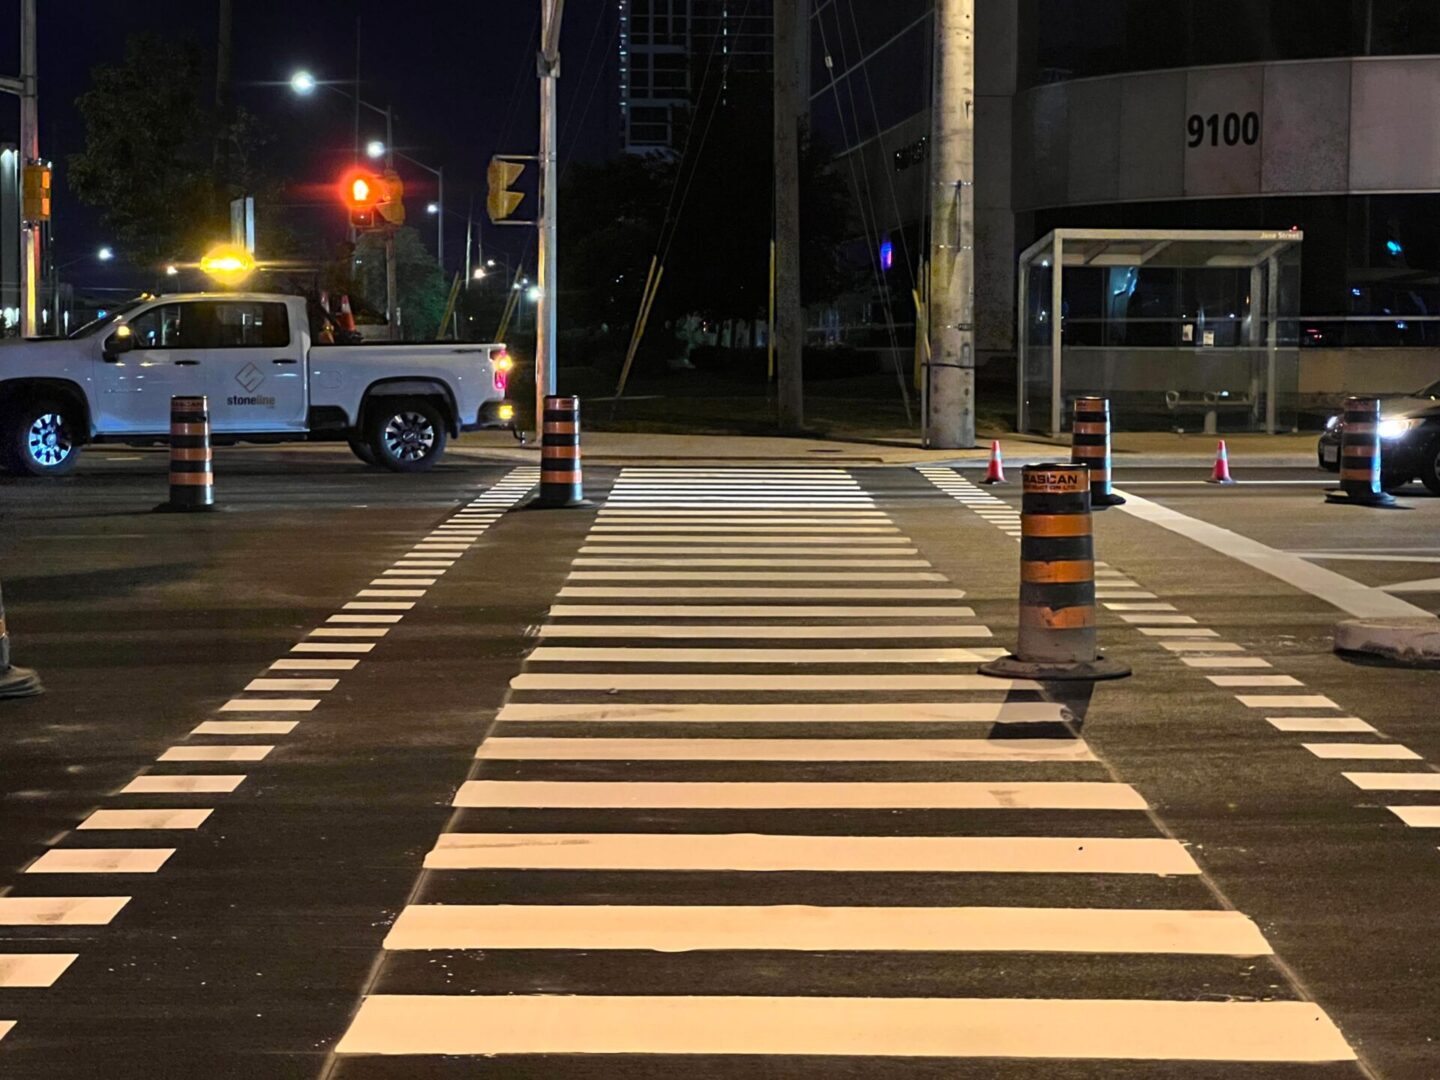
x: 502, y: 365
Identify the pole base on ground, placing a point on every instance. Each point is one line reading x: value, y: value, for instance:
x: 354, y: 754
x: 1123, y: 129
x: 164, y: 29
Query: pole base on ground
x: 1012, y: 667
x: 1382, y: 500
x: 1098, y: 501
x: 539, y: 503
x: 19, y: 682
x: 171, y: 508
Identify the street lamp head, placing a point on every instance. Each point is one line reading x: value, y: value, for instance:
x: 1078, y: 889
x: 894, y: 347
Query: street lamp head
x: 432, y: 208
x: 374, y: 149
x: 479, y: 274
x: 489, y: 262
x: 303, y: 83
x: 171, y: 270
x: 534, y: 294
x: 105, y: 254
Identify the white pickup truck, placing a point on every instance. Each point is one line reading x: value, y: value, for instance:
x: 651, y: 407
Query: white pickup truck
x: 251, y: 354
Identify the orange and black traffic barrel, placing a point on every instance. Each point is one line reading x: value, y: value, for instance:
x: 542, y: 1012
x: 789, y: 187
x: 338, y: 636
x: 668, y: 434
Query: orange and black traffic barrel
x: 192, y: 480
x: 561, y: 483
x: 1090, y: 445
x: 15, y: 682
x: 1360, y: 456
x: 1057, y: 635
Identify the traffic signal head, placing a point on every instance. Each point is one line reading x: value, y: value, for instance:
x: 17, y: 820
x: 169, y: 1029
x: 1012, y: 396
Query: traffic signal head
x: 35, y: 192
x: 501, y: 201
x: 361, y: 191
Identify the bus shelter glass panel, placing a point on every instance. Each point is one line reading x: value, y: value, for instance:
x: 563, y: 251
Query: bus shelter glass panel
x: 1035, y: 340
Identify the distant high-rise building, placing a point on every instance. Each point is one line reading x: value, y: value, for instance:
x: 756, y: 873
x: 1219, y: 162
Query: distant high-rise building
x: 667, y: 48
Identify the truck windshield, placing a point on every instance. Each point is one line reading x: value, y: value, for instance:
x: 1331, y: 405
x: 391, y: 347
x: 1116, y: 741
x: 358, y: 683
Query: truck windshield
x: 107, y: 317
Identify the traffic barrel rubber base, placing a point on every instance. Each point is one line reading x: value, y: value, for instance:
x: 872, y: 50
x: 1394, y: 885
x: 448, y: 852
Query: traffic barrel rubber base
x: 19, y: 682
x: 1097, y: 670
x: 1380, y: 501
x: 171, y: 508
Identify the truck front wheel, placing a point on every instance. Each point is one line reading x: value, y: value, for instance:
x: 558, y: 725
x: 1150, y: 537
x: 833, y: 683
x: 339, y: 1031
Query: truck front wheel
x: 405, y: 434
x: 39, y: 439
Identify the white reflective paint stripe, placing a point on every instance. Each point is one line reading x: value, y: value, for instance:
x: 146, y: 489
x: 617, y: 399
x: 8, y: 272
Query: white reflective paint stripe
x: 387, y: 593
x: 1156, y: 620
x: 1196, y: 632
x: 600, y: 749
x: 1285, y: 701
x: 406, y: 580
x: 332, y: 647
x: 839, y: 854
x: 33, y: 970
x: 753, y: 575
x: 1111, y: 606
x: 966, y: 712
x: 1418, y: 817
x: 1341, y: 592
x: 759, y: 611
x: 353, y: 619
x: 671, y: 631
x: 100, y: 861
x: 1225, y: 662
x: 246, y: 727
x: 814, y: 795
x: 741, y: 560
x: 624, y: 543
x: 1328, y: 724
x: 818, y: 592
x: 350, y: 631
x: 753, y: 503
x: 157, y: 784
x: 762, y: 656
x: 285, y: 685
x: 270, y: 705
x: 617, y: 516
x: 1336, y: 751
x: 145, y: 819
x: 1394, y: 781
x: 398, y: 605
x: 314, y: 664
x: 420, y: 563
x: 1101, y: 593
x: 828, y: 929
x: 216, y: 753
x: 7, y: 1026
x: 1254, y: 681
x: 60, y: 910
x: 718, y: 547
x: 814, y: 683
x: 1202, y: 646
x: 781, y: 525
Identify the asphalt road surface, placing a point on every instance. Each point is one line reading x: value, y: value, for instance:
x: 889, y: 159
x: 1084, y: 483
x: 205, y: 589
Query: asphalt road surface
x: 369, y: 776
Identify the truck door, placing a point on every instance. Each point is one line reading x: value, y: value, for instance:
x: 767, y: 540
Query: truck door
x: 136, y: 386
x: 254, y: 366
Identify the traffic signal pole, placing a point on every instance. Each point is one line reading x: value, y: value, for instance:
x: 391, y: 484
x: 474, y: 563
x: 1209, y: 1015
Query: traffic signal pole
x: 788, y: 331
x: 950, y: 368
x: 552, y: 12
x: 30, y: 264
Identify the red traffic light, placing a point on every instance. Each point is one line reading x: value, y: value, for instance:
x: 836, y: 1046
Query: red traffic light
x: 361, y: 191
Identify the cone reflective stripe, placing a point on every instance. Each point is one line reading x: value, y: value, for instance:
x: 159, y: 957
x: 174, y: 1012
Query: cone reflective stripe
x: 192, y: 481
x: 995, y: 473
x: 561, y: 483
x: 347, y: 317
x: 15, y: 682
x: 1090, y: 446
x: 1057, y: 636
x: 1221, y: 473
x: 1360, y: 456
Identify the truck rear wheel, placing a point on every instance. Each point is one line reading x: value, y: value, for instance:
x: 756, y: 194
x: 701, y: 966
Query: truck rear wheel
x: 405, y: 434
x: 39, y: 439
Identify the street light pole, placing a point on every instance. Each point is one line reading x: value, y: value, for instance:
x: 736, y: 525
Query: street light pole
x: 30, y: 267
x: 551, y: 14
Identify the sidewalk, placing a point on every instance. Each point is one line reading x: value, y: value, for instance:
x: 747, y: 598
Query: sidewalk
x: 1137, y: 449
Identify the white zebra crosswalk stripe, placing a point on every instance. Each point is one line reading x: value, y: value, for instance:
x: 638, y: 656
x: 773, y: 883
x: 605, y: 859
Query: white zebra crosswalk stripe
x: 693, y: 749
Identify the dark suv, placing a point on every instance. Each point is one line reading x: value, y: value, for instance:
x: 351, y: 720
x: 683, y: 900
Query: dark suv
x: 1409, y: 440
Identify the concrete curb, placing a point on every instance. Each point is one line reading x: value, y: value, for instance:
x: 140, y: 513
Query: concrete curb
x: 1408, y: 642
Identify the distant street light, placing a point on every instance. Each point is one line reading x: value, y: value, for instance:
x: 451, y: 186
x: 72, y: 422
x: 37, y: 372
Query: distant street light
x: 105, y: 254
x: 479, y: 274
x: 374, y: 149
x: 431, y: 208
x: 534, y: 294
x: 171, y: 270
x: 303, y: 83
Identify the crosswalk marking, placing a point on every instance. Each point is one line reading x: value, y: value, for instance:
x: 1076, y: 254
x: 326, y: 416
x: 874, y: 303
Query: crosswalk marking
x: 145, y: 819
x: 759, y: 592
x: 634, y: 655
x: 60, y: 910
x: 100, y: 861
x: 741, y: 631
x: 741, y: 560
x: 216, y: 753
x: 1418, y: 817
x: 810, y: 795
x: 694, y: 749
x: 753, y: 575
x: 33, y: 969
x: 181, y: 785
x: 245, y: 727
x: 1394, y: 781
x: 873, y: 684
x: 758, y: 611
x: 946, y: 712
x: 757, y: 853
x: 864, y: 929
x: 1362, y: 751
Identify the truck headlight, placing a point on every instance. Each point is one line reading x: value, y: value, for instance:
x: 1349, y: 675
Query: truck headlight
x: 1330, y: 424
x: 1393, y: 429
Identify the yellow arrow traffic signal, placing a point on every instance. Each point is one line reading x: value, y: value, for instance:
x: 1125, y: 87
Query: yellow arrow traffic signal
x: 502, y: 202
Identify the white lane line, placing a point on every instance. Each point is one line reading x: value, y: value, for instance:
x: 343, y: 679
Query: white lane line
x: 332, y: 647
x: 1172, y: 632
x: 739, y: 592
x: 286, y: 685
x: 270, y: 705
x: 1285, y: 701
x: 313, y: 664
x: 602, y: 749
x: 1339, y: 591
x: 792, y: 683
x: 759, y: 611
x: 1362, y: 751
x: 145, y: 819
x: 1418, y: 817
x: 216, y: 753
x: 670, y: 631
x: 627, y: 795
x: 100, y: 861
x: 1330, y: 556
x: 826, y: 929
x: 350, y: 620
x: 1225, y: 662
x: 1255, y: 682
x: 398, y: 605
x: 181, y: 785
x: 1157, y: 620
x: 350, y: 631
x: 246, y: 727
x: 1394, y: 781
x: 1322, y: 724
x: 948, y: 712
x: 33, y: 970
x: 840, y: 854
x: 60, y: 910
x: 1202, y: 646
x: 762, y: 656
x: 752, y: 575
x: 741, y: 560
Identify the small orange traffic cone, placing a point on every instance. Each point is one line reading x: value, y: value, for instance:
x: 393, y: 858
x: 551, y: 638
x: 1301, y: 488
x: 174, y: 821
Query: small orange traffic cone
x: 1221, y: 472
x: 347, y: 319
x: 995, y: 474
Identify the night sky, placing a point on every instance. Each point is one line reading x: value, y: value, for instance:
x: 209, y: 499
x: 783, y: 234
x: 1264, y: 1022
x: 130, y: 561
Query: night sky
x: 460, y: 76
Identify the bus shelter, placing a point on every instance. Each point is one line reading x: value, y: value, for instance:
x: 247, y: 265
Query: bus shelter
x: 1182, y: 329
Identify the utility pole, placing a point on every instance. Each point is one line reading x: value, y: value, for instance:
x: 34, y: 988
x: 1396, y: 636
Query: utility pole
x: 224, y: 55
x: 789, y: 328
x: 551, y: 14
x: 30, y: 257
x: 392, y: 304
x: 950, y: 370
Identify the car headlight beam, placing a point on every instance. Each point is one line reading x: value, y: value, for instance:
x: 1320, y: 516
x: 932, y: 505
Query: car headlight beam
x: 1393, y: 429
